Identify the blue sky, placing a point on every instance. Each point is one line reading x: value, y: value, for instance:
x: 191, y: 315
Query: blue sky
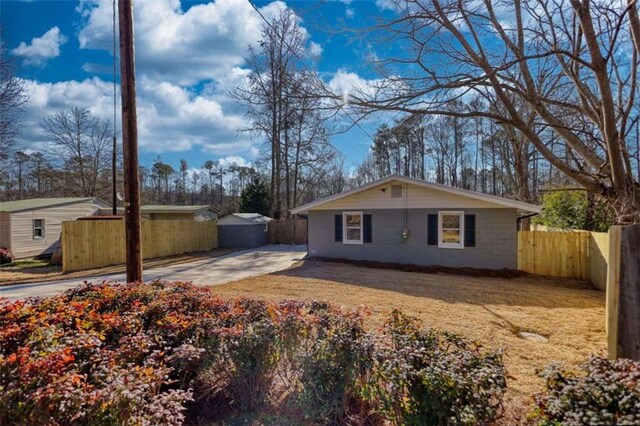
x: 189, y: 54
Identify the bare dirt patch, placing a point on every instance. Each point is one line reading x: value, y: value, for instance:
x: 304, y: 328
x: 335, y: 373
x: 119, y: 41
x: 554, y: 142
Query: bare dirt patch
x: 24, y: 274
x: 491, y: 311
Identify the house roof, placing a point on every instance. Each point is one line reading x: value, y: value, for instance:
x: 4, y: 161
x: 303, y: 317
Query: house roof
x: 252, y: 218
x: 40, y: 203
x: 498, y: 201
x: 175, y: 209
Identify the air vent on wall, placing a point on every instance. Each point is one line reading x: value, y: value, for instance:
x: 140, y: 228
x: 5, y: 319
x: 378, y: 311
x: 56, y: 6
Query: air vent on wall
x: 396, y: 191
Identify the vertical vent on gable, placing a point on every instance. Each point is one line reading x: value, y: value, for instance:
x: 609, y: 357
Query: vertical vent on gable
x: 396, y: 191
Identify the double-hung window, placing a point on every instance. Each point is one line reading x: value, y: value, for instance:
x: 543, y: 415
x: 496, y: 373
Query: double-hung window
x: 451, y: 229
x: 38, y: 228
x: 352, y: 227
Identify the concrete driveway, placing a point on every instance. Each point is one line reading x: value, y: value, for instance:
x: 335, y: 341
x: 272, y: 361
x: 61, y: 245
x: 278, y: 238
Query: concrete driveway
x: 217, y: 270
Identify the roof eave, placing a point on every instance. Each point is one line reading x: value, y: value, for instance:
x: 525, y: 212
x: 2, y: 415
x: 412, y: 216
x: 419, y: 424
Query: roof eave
x: 506, y: 203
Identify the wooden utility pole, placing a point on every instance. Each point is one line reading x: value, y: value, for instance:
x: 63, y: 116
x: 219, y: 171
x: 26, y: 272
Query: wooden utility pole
x: 114, y: 185
x: 130, y: 143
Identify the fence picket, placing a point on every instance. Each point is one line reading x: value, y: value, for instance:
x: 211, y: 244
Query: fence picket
x: 572, y: 254
x: 90, y: 244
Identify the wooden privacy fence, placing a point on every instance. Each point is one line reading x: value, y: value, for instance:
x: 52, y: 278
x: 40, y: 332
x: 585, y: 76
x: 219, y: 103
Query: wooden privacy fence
x: 573, y: 254
x: 96, y: 243
x: 611, y: 261
x: 288, y: 231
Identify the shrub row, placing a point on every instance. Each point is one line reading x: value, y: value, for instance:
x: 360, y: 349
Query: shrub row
x: 166, y: 353
x: 169, y: 353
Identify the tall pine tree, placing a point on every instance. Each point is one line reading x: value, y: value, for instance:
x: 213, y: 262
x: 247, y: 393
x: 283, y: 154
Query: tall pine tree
x: 254, y: 198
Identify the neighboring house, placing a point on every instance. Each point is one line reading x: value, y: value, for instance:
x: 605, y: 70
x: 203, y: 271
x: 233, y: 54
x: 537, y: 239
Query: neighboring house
x: 243, y: 230
x: 171, y: 212
x: 403, y: 220
x: 32, y: 227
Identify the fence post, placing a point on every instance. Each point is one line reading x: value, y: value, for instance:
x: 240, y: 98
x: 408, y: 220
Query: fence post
x: 623, y: 292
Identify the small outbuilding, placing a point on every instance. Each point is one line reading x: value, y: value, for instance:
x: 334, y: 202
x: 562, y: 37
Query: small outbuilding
x: 243, y: 230
x: 32, y: 227
x: 401, y: 220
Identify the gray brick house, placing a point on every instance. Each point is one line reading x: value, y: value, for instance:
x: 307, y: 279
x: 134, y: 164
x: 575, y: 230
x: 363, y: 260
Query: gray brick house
x: 403, y: 220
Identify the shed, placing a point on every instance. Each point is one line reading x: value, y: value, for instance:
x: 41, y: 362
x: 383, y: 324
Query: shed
x: 243, y: 230
x: 402, y: 220
x: 32, y: 227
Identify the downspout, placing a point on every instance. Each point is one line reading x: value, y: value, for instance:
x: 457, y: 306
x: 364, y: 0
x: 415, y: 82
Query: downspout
x: 520, y: 218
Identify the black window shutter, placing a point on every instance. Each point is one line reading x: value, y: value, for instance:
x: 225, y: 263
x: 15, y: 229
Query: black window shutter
x: 367, y: 236
x: 432, y: 230
x: 469, y: 230
x: 338, y: 228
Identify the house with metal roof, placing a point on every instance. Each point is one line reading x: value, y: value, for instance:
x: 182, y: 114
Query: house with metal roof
x: 243, y: 230
x: 32, y: 227
x: 402, y: 220
x: 173, y: 212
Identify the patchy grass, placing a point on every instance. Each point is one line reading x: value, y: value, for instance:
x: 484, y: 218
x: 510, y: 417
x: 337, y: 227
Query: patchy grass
x: 490, y: 311
x: 26, y: 264
x: 20, y: 273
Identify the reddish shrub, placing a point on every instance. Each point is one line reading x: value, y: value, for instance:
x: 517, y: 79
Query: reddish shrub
x: 162, y: 353
x: 6, y: 255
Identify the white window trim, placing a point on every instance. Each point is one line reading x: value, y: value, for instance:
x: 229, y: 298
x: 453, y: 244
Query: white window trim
x: 41, y: 227
x: 266, y: 227
x: 459, y: 245
x: 344, y: 228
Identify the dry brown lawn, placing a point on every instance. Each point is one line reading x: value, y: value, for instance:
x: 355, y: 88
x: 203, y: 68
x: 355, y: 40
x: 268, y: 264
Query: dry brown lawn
x: 488, y: 310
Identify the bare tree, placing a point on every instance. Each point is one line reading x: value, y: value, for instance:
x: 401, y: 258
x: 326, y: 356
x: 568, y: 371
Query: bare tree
x: 13, y: 95
x: 82, y: 144
x: 279, y: 107
x: 573, y: 63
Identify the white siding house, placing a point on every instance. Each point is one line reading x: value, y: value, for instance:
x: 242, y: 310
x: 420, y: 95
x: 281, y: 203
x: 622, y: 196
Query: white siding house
x: 32, y: 227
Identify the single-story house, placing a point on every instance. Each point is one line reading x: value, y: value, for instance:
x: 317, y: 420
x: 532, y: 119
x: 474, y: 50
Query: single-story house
x: 32, y: 227
x: 402, y: 220
x: 243, y: 230
x: 172, y: 212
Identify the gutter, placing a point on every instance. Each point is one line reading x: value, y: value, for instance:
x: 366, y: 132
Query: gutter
x: 520, y: 218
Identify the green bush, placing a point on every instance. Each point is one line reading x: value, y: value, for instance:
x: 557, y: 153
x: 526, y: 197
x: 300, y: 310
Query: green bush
x: 426, y: 377
x: 572, y: 210
x: 332, y: 362
x: 608, y: 393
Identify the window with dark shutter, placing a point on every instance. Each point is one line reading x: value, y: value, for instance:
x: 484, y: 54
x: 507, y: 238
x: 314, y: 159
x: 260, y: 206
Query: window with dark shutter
x: 367, y: 236
x: 470, y: 230
x: 432, y: 230
x: 338, y: 228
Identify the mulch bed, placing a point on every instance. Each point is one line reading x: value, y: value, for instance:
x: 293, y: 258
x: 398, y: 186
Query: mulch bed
x: 434, y: 269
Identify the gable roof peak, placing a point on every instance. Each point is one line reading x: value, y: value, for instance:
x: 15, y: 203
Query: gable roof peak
x: 498, y: 201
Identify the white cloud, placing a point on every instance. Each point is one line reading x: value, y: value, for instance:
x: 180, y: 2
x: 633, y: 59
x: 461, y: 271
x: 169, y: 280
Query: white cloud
x: 315, y: 49
x: 202, y: 43
x: 187, y: 59
x: 345, y: 83
x: 41, y: 48
x: 349, y: 12
x: 170, y: 118
x: 387, y: 4
x: 234, y: 159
